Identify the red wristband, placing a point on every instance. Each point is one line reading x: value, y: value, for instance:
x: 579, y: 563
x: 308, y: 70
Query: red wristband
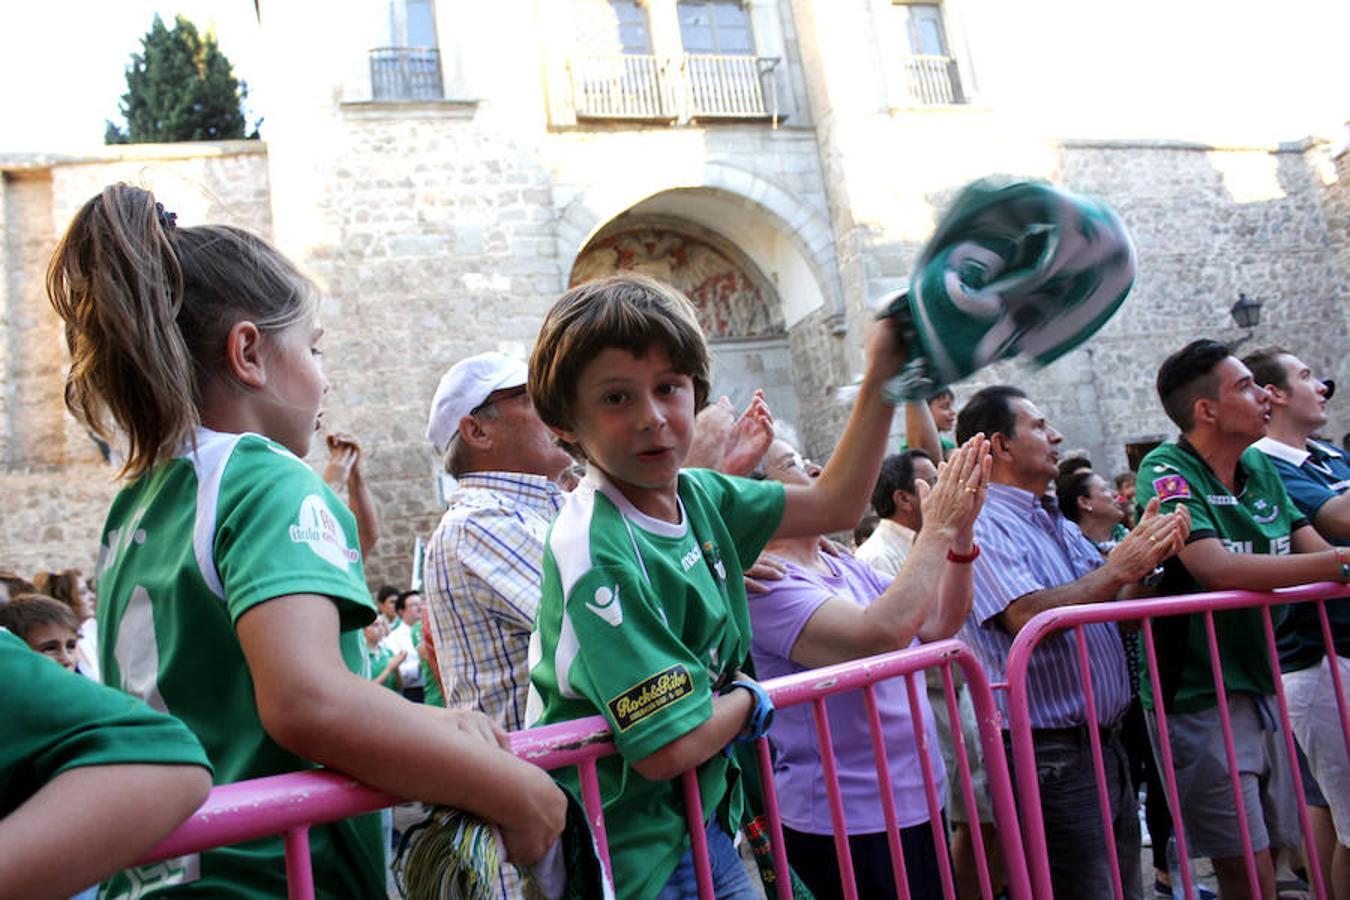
x: 953, y: 556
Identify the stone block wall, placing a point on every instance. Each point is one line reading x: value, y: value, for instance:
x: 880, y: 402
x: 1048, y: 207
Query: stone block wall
x: 439, y: 236
x: 445, y: 240
x: 1203, y: 234
x: 1332, y: 174
x: 56, y: 484
x: 441, y: 229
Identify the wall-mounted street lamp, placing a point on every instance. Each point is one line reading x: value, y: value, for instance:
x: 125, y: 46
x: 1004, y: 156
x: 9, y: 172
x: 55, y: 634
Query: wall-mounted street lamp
x: 1246, y: 312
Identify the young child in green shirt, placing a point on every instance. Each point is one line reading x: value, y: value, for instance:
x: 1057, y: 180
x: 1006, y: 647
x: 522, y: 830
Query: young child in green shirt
x: 45, y: 624
x: 643, y: 616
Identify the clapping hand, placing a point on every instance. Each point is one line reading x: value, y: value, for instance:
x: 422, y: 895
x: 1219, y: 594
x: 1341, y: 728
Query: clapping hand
x: 750, y: 438
x: 1154, y: 539
x: 953, y: 503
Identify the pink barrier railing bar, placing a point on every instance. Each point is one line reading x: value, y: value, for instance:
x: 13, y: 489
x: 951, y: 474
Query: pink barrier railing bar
x: 1095, y: 739
x: 967, y: 785
x: 1051, y: 622
x: 930, y: 788
x: 289, y: 804
x: 887, y: 797
x: 813, y: 686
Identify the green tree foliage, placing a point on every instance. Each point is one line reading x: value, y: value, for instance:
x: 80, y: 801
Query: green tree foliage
x: 180, y: 87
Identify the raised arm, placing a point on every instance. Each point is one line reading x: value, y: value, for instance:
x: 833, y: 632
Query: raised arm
x: 921, y: 431
x: 344, y: 468
x: 924, y: 599
x: 957, y: 591
x: 390, y: 667
x: 313, y: 706
x: 836, y: 500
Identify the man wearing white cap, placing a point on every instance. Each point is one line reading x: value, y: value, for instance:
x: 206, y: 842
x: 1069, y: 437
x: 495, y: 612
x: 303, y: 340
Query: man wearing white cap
x: 483, y: 565
x: 485, y: 560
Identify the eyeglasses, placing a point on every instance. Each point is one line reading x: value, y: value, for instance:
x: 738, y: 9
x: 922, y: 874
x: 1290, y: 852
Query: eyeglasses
x: 510, y: 394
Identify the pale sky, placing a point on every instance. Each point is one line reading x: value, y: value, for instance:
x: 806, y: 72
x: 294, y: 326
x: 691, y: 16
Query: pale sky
x: 1213, y: 70
x: 63, y: 64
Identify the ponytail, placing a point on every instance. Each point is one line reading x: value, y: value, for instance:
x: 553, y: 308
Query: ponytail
x: 148, y: 307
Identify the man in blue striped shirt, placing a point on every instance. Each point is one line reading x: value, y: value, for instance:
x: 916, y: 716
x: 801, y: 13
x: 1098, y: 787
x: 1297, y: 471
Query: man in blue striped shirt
x: 1032, y: 559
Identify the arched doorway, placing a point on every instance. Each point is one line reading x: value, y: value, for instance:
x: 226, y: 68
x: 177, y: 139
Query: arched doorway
x: 737, y: 306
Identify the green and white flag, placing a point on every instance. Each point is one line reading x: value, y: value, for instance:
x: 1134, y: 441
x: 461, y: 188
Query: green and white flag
x: 1015, y: 268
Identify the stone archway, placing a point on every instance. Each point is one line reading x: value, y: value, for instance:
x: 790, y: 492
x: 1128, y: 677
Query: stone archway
x: 803, y: 227
x: 737, y: 306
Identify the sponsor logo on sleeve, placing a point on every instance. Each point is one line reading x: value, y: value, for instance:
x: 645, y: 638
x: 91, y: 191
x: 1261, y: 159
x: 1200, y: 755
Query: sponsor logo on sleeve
x: 1172, y: 487
x: 650, y: 696
x: 316, y: 526
x: 606, y: 605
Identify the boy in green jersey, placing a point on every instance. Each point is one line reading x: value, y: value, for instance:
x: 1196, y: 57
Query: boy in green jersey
x: 45, y: 624
x: 1245, y: 534
x: 643, y: 617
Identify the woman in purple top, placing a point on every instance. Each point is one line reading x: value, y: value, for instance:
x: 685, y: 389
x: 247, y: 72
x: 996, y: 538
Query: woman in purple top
x: 828, y: 609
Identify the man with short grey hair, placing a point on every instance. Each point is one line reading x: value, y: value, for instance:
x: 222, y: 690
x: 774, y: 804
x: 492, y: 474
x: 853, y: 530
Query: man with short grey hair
x: 483, y: 565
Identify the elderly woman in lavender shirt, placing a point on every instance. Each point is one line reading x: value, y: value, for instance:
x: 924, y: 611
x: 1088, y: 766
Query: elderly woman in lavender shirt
x: 827, y: 609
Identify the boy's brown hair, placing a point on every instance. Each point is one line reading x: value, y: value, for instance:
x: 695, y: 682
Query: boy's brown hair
x: 27, y: 611
x: 630, y: 312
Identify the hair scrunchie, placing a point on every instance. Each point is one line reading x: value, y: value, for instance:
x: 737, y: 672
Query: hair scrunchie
x: 167, y: 220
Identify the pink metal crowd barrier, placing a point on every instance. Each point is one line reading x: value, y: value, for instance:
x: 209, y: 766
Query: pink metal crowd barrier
x: 1052, y: 622
x: 290, y: 804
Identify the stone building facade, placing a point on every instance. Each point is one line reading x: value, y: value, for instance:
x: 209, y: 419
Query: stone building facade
x: 785, y: 158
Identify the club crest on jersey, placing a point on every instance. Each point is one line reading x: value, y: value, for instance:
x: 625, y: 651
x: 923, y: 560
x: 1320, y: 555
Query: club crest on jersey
x: 1265, y: 513
x: 714, y: 558
x: 606, y: 605
x: 317, y: 527
x: 650, y: 696
x: 1171, y: 487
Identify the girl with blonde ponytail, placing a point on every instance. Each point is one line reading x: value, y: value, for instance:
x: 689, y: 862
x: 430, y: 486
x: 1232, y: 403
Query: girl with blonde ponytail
x: 230, y: 583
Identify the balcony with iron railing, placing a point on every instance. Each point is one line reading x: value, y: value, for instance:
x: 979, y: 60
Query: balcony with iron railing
x: 931, y: 81
x: 674, y: 89
x: 405, y: 73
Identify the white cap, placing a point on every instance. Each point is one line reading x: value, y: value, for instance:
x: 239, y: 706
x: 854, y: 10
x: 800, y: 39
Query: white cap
x: 465, y: 387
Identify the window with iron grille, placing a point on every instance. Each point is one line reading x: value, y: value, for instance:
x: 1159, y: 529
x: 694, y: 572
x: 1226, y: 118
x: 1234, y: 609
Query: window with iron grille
x: 931, y: 76
x: 408, y: 67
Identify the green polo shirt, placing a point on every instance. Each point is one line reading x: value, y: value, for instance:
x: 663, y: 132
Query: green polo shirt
x: 1260, y: 518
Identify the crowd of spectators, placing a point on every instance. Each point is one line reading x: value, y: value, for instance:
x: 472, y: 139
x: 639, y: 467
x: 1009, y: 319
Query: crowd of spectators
x: 619, y: 543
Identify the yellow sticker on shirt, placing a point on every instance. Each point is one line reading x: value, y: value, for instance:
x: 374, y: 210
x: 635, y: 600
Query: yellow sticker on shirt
x: 650, y: 696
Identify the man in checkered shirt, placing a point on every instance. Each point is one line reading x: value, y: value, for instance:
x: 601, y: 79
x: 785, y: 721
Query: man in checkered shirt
x: 484, y: 561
